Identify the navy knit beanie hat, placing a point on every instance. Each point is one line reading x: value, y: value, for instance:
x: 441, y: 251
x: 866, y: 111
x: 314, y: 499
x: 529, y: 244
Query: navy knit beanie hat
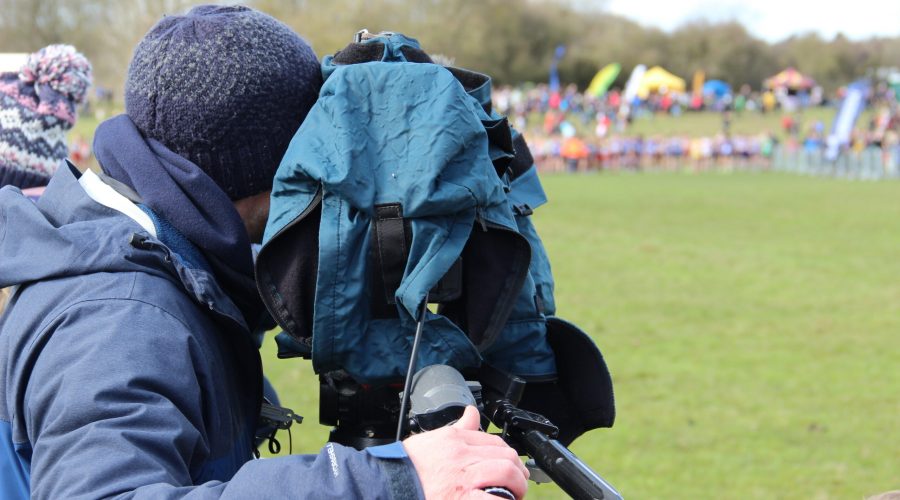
x: 225, y: 87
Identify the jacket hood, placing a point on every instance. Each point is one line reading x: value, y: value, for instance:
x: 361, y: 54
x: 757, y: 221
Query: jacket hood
x: 67, y: 234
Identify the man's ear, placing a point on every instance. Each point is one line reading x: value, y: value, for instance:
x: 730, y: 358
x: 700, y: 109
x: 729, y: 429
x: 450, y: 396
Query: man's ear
x: 254, y: 211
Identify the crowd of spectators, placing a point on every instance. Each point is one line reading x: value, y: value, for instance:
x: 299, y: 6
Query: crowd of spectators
x: 573, y: 131
x: 556, y: 153
x: 521, y: 101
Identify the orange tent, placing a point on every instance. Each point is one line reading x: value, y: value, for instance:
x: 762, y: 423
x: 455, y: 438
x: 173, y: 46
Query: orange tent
x: 790, y: 79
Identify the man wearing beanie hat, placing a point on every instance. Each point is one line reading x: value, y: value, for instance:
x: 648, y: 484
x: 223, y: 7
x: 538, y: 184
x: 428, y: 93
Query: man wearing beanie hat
x: 129, y: 364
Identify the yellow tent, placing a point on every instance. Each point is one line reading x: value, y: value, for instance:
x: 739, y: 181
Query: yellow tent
x: 657, y: 79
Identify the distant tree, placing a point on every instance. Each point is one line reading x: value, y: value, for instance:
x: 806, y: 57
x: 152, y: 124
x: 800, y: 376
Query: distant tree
x: 104, y: 30
x: 512, y: 40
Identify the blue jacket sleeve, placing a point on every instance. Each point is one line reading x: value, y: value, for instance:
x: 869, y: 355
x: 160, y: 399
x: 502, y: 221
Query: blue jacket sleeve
x: 122, y: 409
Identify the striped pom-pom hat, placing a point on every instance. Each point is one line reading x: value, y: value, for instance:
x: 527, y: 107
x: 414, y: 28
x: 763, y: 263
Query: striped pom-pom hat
x: 37, y: 108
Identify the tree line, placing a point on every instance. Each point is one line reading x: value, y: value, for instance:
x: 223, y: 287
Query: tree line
x: 512, y: 40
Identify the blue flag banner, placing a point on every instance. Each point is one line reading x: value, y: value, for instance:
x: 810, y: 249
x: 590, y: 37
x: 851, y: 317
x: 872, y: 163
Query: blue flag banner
x: 851, y: 107
x: 554, y: 74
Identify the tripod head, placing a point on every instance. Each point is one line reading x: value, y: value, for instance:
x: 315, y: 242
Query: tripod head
x: 366, y: 416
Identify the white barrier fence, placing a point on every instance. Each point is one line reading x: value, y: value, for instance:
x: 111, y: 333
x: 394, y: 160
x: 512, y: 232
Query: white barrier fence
x: 872, y: 163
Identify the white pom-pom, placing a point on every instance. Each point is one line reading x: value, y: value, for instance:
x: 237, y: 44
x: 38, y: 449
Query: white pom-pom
x: 61, y: 67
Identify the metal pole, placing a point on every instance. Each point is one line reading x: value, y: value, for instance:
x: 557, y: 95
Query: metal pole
x: 404, y: 397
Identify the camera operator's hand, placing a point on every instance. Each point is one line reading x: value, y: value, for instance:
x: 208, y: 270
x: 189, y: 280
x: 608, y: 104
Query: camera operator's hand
x: 459, y: 460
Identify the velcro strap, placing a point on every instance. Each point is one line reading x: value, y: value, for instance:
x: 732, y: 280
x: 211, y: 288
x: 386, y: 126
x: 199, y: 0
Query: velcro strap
x: 391, y: 241
x: 356, y: 53
x: 391, y: 246
x: 470, y: 81
x: 359, y: 53
x: 450, y: 286
x: 500, y: 136
x: 523, y: 159
x: 415, y: 55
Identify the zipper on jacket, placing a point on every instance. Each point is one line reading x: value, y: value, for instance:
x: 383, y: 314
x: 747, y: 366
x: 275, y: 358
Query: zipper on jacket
x: 143, y: 242
x: 138, y: 240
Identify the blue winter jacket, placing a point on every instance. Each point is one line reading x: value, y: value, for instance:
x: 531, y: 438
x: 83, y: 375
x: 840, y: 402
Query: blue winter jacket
x: 125, y: 372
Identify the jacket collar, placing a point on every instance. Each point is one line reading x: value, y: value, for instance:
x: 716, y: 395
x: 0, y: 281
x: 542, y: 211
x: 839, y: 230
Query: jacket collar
x: 78, y: 235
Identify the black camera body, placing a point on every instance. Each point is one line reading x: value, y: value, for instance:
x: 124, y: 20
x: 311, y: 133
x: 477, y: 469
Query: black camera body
x: 438, y: 394
x: 360, y: 415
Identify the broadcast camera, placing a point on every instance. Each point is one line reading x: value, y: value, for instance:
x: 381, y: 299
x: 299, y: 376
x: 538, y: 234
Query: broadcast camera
x: 401, y: 189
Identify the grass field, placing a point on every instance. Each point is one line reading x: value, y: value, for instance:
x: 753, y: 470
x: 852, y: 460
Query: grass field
x: 707, y: 124
x: 751, y: 323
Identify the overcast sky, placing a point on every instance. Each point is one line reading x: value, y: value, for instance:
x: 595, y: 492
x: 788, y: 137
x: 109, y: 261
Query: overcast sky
x: 771, y: 20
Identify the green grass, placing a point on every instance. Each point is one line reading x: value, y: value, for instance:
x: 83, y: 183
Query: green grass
x: 709, y: 123
x: 706, y: 124
x: 750, y: 322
